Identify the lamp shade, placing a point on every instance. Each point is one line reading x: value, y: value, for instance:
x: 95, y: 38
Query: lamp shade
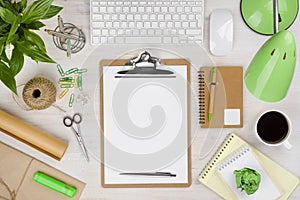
x: 270, y: 72
x: 258, y: 14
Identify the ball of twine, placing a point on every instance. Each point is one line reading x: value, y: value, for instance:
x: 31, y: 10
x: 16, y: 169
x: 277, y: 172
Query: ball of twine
x: 39, y: 93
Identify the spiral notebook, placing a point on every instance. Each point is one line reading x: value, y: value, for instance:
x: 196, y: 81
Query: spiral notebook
x: 283, y: 179
x: 228, y: 97
x: 245, y: 158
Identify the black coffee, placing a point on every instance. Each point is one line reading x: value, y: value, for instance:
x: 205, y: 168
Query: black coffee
x: 272, y: 127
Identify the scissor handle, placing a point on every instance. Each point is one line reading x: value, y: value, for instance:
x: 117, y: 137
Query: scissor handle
x: 68, y: 121
x: 77, y: 118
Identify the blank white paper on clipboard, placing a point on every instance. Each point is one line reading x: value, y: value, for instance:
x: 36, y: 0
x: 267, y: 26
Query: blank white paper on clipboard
x: 145, y: 127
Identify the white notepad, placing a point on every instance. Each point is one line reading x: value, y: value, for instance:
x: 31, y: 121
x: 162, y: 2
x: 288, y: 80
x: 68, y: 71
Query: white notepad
x: 245, y: 158
x: 145, y: 128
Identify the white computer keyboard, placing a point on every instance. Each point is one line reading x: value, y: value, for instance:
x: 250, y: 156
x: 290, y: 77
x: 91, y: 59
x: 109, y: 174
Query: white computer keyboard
x: 143, y: 22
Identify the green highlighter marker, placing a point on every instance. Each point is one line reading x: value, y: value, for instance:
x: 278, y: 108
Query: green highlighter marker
x: 54, y: 184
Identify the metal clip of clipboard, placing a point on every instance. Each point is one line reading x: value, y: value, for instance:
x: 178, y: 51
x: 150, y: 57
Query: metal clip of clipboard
x: 144, y: 66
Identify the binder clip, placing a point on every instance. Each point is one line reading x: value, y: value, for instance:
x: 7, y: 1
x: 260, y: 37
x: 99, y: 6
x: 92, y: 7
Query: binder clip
x: 67, y: 37
x: 145, y: 64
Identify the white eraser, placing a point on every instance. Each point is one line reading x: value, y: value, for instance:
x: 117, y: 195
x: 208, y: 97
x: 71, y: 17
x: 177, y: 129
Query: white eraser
x: 232, y: 117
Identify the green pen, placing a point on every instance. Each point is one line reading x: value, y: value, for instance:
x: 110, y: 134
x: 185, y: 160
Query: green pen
x: 212, y: 83
x: 54, y: 184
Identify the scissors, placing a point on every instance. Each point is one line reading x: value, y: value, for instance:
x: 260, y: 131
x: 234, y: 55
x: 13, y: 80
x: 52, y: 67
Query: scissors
x: 76, y: 119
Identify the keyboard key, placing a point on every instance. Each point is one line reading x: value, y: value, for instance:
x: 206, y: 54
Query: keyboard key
x: 116, y: 24
x: 193, y: 32
x: 95, y: 9
x: 104, y: 32
x: 130, y: 17
x: 120, y: 40
x: 102, y: 9
x: 167, y: 40
x: 143, y: 40
x: 139, y: 24
x: 179, y: 9
x: 136, y: 32
x: 97, y: 17
x: 175, y: 40
x: 156, y: 9
x: 98, y: 24
x: 96, y: 40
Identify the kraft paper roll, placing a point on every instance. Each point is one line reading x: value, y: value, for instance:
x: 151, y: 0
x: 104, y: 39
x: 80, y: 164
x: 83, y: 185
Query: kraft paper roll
x: 32, y: 136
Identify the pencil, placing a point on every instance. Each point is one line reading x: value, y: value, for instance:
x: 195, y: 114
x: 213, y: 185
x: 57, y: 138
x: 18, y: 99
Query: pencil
x: 213, y: 82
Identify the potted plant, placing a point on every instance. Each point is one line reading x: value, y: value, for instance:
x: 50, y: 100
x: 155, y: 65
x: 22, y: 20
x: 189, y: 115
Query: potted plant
x: 18, y: 21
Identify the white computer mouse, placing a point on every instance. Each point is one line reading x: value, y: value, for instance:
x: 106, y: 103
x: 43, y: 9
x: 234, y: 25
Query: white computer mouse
x: 221, y: 32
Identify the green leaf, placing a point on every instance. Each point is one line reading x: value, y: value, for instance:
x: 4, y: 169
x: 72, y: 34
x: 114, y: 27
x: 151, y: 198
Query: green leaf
x: 33, y: 52
x: 4, y: 57
x: 2, y: 42
x: 9, y: 5
x: 13, y: 29
x: 34, y: 39
x: 20, y: 6
x: 53, y: 10
x: 36, y: 11
x: 35, y: 25
x: 17, y: 61
x: 7, y: 15
x: 7, y: 77
x: 4, y: 28
x: 23, y: 4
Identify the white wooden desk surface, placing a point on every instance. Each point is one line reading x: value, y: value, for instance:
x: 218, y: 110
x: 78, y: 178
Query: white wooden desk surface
x: 205, y: 142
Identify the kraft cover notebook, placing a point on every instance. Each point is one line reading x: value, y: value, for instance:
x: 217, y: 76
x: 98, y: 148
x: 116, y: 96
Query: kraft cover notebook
x: 227, y: 109
x: 283, y: 179
x: 16, y: 176
x: 145, y: 125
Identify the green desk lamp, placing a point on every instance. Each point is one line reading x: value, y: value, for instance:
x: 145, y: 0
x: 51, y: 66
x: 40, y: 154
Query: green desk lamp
x: 259, y: 14
x: 270, y: 72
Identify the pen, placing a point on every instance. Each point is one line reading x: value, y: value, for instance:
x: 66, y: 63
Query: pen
x: 63, y: 35
x: 61, y: 28
x: 168, y: 174
x: 213, y: 82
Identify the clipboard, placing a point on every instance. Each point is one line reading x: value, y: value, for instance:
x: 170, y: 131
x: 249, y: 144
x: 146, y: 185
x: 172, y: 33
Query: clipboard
x: 127, y: 67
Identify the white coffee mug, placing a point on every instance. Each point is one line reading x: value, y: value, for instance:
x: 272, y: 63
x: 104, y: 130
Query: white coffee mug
x: 273, y: 128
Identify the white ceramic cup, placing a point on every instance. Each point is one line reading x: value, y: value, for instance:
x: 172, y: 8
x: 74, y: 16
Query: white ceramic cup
x: 284, y: 141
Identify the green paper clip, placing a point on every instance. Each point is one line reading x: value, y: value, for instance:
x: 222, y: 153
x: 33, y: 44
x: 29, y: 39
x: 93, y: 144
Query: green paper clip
x: 80, y: 71
x: 66, y: 79
x: 71, y: 71
x: 79, y: 81
x: 60, y: 70
x: 63, y: 93
x: 71, y: 100
x: 66, y: 85
x: 65, y: 82
x: 54, y: 184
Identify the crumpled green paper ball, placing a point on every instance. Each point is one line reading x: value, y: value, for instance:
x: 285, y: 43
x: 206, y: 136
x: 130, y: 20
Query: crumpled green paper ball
x: 247, y: 180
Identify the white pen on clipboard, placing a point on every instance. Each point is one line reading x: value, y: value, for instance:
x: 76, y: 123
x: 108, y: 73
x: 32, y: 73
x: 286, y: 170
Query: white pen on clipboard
x: 155, y: 174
